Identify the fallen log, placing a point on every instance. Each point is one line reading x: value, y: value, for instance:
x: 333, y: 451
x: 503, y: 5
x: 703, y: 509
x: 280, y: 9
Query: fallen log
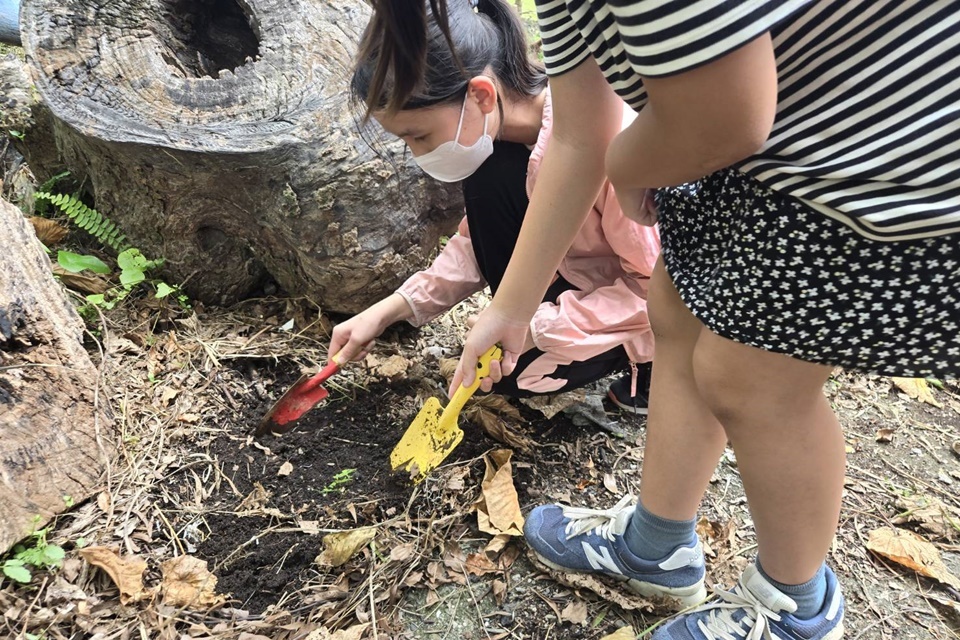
x: 56, y: 438
x: 220, y: 136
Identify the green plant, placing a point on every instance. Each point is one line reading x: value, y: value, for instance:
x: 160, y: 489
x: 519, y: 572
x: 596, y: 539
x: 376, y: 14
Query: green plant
x: 87, y: 218
x: 340, y: 480
x: 36, y: 553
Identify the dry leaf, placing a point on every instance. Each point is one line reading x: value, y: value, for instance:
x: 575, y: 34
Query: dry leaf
x: 82, y: 282
x: 623, y: 633
x: 713, y: 536
x: 496, y: 545
x: 187, y: 583
x: 499, y: 590
x: 403, y: 552
x: 498, y: 510
x: 551, y: 405
x: 910, y: 550
x: 255, y: 500
x: 126, y: 572
x: 432, y: 598
x: 884, y: 435
x: 497, y: 428
x: 479, y: 564
x: 392, y: 367
x: 931, y: 514
x: 918, y: 389
x: 309, y: 527
x: 575, y: 612
x: 48, y: 232
x: 610, y: 484
x: 340, y: 547
x: 285, y: 469
x: 355, y: 632
x: 956, y: 447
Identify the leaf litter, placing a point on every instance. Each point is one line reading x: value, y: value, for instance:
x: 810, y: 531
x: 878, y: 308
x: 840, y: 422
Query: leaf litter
x: 188, y: 483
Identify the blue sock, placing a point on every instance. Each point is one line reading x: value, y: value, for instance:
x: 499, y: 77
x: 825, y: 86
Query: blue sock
x: 651, y: 537
x: 809, y: 596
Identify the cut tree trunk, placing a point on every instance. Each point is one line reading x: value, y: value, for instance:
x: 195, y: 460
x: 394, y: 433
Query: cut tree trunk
x: 53, y: 432
x: 219, y: 134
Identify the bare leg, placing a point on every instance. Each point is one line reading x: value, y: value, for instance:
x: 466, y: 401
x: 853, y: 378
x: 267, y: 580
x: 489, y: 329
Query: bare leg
x: 789, y: 448
x: 684, y: 439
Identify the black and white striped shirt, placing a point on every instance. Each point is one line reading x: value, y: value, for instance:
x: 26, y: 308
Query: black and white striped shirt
x: 868, y: 119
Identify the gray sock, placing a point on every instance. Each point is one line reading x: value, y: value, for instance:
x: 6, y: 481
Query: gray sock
x: 651, y: 537
x: 809, y: 596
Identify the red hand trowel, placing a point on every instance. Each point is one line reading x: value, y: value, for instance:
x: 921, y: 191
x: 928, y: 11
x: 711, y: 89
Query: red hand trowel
x: 298, y: 399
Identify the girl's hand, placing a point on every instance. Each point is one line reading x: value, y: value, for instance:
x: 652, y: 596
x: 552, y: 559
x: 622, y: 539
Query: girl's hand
x: 638, y: 205
x: 491, y: 327
x: 527, y: 343
x: 354, y: 338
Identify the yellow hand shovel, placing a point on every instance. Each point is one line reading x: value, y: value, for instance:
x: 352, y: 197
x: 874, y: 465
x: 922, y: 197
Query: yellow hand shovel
x: 434, y: 433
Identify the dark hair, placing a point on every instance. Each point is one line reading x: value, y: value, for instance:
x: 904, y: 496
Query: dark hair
x: 414, y: 56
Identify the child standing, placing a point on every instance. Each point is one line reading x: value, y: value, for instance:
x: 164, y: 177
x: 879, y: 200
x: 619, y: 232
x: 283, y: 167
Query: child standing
x: 818, y: 145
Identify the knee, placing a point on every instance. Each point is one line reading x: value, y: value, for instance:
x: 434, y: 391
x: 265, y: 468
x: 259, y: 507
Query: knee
x: 725, y: 394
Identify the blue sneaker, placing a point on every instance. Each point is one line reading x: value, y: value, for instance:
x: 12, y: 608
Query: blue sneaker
x: 756, y: 609
x: 572, y: 539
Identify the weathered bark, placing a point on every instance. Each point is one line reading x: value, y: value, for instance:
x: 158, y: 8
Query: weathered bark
x: 220, y: 136
x: 52, y: 431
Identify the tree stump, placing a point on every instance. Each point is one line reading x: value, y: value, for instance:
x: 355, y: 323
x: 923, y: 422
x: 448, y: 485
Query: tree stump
x: 52, y: 429
x: 219, y: 135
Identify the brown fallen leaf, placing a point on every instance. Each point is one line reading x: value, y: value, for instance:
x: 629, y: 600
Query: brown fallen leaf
x: 285, y: 469
x: 479, y: 564
x: 499, y: 590
x: 255, y: 500
x: 496, y: 545
x: 551, y: 405
x: 917, y: 389
x: 498, y: 509
x: 49, y: 232
x: 82, y: 282
x: 126, y: 572
x: 884, y: 435
x: 931, y: 514
x: 355, y: 632
x: 610, y: 484
x: 575, y: 612
x: 403, y: 552
x: 497, y: 428
x: 188, y: 583
x: 392, y: 367
x: 623, y: 633
x: 911, y: 551
x: 340, y: 547
x: 715, y: 537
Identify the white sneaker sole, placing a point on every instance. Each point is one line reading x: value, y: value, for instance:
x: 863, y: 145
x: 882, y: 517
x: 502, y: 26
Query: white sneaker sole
x: 687, y: 596
x: 640, y: 411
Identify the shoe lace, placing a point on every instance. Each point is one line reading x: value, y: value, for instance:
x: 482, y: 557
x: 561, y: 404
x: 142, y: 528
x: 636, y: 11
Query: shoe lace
x: 720, y: 624
x: 601, y: 521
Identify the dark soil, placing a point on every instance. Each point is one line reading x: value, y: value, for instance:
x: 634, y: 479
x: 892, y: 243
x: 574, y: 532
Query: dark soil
x: 258, y: 558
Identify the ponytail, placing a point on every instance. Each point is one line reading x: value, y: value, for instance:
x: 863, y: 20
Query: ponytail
x: 397, y: 38
x: 516, y: 69
x: 412, y: 56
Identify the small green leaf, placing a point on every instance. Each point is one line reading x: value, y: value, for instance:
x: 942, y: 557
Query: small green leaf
x: 53, y: 555
x: 75, y: 263
x: 131, y: 276
x: 163, y: 290
x: 16, y: 572
x: 95, y: 299
x: 132, y: 259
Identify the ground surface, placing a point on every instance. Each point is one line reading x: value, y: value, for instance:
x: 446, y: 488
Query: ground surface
x: 189, y: 386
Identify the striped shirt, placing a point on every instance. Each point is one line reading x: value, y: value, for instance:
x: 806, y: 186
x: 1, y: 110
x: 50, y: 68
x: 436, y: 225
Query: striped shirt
x: 867, y: 129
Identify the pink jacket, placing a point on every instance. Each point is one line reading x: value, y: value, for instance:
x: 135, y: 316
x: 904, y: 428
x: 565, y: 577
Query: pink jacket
x: 610, y: 262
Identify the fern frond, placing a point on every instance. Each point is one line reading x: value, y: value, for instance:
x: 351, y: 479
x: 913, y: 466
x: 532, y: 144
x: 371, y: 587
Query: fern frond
x: 87, y: 219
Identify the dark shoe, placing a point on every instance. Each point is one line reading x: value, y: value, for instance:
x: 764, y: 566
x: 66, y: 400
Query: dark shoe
x: 619, y: 392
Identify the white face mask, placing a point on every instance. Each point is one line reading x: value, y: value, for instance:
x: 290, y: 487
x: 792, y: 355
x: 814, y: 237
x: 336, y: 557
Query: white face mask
x: 451, y: 161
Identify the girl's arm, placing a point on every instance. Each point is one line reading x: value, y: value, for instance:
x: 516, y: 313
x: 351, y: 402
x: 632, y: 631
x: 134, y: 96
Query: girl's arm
x: 587, y: 115
x: 699, y: 121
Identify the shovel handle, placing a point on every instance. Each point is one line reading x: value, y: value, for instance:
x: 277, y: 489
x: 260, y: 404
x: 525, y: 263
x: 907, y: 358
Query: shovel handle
x: 332, y: 367
x: 483, y: 370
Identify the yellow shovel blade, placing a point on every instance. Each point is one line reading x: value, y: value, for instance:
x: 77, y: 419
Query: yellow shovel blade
x: 427, y: 441
x: 434, y: 432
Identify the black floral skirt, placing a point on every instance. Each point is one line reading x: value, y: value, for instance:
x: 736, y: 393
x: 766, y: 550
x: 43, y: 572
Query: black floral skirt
x: 766, y: 270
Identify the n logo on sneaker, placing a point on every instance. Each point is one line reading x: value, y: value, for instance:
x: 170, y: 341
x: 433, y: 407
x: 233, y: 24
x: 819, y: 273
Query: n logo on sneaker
x: 600, y: 560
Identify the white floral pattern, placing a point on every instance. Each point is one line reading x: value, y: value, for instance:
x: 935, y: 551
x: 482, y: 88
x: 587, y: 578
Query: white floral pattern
x: 763, y: 269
